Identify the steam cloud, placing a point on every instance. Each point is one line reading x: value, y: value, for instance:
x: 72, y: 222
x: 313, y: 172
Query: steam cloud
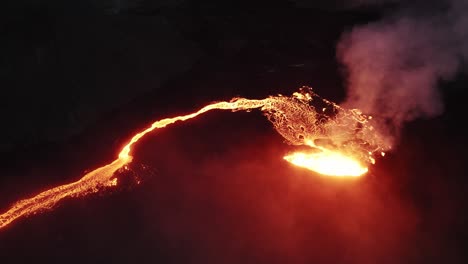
x: 394, y: 65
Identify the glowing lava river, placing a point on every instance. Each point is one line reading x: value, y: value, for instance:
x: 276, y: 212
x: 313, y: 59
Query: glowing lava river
x: 347, y: 151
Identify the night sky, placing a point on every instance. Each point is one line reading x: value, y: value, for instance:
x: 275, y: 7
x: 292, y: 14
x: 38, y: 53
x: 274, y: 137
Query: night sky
x: 79, y: 78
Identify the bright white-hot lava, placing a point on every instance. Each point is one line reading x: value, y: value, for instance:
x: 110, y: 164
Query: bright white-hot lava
x: 346, y: 139
x: 328, y: 163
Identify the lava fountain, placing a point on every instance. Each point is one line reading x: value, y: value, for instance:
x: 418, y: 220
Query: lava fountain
x: 344, y: 142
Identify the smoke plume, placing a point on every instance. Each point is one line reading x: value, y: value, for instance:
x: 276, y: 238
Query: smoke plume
x: 394, y: 65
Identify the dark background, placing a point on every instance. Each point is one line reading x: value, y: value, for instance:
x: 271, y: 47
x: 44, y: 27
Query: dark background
x: 79, y: 78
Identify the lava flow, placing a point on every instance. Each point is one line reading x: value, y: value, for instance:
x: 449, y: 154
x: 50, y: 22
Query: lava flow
x: 293, y: 117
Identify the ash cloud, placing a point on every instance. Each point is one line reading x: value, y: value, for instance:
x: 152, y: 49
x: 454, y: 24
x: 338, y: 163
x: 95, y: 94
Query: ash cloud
x: 394, y: 65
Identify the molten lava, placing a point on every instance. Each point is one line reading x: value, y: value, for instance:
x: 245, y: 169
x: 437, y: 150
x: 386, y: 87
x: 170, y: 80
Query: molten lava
x: 328, y: 163
x: 347, y: 131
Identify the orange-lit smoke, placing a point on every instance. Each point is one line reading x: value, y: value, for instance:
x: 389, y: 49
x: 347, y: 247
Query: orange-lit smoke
x: 394, y: 65
x: 349, y: 145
